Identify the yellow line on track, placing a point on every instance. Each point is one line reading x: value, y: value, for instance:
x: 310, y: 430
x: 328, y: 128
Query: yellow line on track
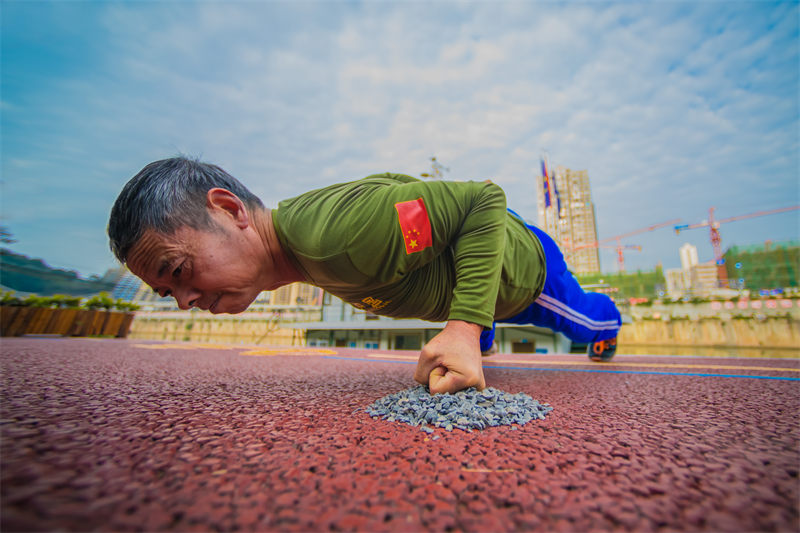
x: 186, y: 346
x: 393, y: 356
x: 291, y: 351
x: 612, y: 365
x: 246, y: 350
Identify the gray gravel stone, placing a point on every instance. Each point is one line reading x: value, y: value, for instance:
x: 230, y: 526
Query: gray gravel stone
x: 466, y: 410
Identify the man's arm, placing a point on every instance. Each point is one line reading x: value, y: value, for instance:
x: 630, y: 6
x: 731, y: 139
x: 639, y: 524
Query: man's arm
x: 470, y: 220
x: 464, y: 219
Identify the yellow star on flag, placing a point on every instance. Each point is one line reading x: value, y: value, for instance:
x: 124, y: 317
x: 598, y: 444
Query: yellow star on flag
x: 415, y: 226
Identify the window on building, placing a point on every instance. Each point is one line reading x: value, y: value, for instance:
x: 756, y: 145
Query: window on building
x: 523, y: 347
x: 408, y: 342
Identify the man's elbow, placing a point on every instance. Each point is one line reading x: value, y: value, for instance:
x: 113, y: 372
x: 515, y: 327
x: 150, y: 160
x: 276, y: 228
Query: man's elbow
x: 495, y: 192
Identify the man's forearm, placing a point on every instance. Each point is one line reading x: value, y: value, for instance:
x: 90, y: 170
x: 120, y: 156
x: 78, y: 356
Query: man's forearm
x: 478, y: 256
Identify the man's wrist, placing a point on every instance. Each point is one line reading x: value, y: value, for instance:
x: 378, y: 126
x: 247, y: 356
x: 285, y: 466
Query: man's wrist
x: 464, y: 327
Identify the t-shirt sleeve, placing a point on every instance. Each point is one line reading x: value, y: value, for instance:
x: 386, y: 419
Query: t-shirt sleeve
x: 402, y: 227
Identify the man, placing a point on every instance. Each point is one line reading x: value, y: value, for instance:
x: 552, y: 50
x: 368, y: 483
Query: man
x: 389, y: 244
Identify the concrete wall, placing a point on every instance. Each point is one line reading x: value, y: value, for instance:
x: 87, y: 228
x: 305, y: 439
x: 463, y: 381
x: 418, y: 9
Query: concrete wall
x: 768, y: 331
x: 764, y: 331
x: 239, y: 330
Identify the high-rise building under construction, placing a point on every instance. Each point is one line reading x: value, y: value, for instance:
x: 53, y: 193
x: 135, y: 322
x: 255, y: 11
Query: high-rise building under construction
x: 569, y: 217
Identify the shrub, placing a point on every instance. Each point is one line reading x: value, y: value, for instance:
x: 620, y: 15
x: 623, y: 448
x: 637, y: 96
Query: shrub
x: 99, y: 301
x: 8, y: 298
x: 121, y: 305
x: 36, y: 301
x: 65, y: 301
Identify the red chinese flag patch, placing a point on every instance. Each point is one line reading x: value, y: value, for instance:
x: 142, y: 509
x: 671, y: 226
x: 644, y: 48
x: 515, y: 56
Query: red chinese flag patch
x: 415, y: 225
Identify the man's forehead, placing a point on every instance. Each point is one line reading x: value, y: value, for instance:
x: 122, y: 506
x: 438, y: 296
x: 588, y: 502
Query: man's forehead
x: 151, y: 255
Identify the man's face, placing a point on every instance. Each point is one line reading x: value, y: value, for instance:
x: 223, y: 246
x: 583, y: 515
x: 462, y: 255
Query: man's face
x: 209, y: 269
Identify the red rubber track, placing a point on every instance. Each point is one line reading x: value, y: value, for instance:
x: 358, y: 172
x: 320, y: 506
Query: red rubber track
x: 115, y: 435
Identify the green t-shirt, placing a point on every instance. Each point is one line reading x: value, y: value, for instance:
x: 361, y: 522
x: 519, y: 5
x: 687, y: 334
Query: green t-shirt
x: 397, y: 246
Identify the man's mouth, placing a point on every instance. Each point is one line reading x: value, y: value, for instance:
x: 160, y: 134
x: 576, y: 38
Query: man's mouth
x: 213, y: 307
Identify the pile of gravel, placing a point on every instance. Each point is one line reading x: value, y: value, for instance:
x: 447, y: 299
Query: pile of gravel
x: 466, y: 410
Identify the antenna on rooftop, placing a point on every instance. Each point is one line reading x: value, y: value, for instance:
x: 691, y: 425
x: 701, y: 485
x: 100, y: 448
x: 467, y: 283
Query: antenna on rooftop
x: 437, y: 170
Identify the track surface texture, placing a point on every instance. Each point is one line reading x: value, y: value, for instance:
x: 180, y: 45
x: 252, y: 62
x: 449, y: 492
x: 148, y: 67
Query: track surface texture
x: 119, y: 435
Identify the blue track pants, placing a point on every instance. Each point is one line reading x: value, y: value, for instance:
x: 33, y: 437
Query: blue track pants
x: 563, y: 306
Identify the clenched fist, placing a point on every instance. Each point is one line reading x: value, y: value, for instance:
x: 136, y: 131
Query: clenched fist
x: 451, y: 361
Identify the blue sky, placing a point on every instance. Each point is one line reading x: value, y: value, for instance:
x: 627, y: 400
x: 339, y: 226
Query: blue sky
x: 671, y: 107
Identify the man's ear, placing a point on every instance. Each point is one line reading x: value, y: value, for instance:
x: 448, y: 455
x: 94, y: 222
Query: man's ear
x: 225, y: 202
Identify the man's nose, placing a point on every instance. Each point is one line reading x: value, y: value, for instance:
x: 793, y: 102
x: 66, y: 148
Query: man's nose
x: 186, y: 298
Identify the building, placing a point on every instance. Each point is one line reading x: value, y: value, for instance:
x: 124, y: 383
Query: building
x: 294, y: 294
x: 704, y: 279
x: 688, y: 255
x: 343, y: 325
x: 127, y: 286
x: 693, y: 279
x: 572, y: 220
x: 679, y: 282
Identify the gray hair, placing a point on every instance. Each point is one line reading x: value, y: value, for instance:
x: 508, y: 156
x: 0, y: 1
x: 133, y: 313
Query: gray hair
x: 167, y: 195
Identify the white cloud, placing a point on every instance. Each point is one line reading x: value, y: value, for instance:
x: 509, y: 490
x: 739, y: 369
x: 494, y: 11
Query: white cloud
x: 669, y: 107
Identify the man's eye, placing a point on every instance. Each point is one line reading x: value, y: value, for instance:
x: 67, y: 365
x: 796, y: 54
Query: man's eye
x: 177, y: 272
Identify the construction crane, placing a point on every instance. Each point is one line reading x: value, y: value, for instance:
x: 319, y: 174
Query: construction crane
x: 716, y: 239
x: 620, y: 247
